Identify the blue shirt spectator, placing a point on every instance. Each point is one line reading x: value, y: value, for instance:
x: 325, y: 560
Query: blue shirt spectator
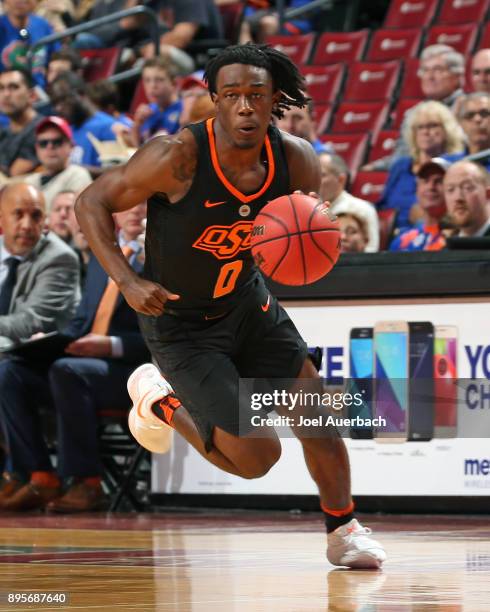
x: 166, y: 120
x: 15, y: 41
x: 99, y: 125
x: 399, y: 191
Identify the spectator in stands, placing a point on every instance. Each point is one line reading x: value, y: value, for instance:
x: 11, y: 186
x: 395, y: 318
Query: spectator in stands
x: 105, y: 96
x: 465, y: 188
x: 64, y: 60
x: 441, y: 74
x: 19, y: 30
x: 17, y: 149
x: 426, y: 235
x: 191, y: 88
x: 474, y: 117
x: 39, y: 274
x: 162, y: 113
x: 299, y: 122
x: 62, y: 208
x: 184, y: 23
x: 262, y: 20
x: 480, y: 71
x: 54, y: 145
x: 353, y: 233
x: 91, y: 377
x: 335, y: 178
x: 430, y: 131
x: 80, y: 245
x: 68, y: 93
x: 59, y: 13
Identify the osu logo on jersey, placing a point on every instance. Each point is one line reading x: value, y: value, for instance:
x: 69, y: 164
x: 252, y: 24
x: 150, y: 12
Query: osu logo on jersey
x: 225, y: 241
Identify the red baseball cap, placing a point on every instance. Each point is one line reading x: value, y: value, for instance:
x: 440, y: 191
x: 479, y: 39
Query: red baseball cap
x: 56, y: 122
x: 191, y: 81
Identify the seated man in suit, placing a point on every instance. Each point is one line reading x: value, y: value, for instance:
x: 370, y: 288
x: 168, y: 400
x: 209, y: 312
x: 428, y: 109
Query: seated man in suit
x: 39, y: 274
x: 91, y: 377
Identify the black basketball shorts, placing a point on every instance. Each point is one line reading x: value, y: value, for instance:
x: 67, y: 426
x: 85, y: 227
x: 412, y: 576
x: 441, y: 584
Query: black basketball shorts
x: 204, y: 360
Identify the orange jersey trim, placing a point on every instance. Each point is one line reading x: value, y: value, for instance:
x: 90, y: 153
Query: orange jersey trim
x: 217, y: 168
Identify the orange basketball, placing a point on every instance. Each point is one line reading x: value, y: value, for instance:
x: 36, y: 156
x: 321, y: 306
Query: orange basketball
x: 295, y: 240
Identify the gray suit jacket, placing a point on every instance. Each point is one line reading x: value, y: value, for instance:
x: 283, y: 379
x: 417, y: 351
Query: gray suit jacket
x: 46, y: 293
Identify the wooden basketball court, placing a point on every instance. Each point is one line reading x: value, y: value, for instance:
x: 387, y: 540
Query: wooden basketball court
x: 249, y: 562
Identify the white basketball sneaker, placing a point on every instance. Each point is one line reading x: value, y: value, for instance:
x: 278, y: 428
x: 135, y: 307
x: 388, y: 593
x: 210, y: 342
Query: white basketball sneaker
x: 145, y: 387
x: 349, y: 545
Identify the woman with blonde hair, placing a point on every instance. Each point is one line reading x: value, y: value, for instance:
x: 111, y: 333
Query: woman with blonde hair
x: 430, y: 131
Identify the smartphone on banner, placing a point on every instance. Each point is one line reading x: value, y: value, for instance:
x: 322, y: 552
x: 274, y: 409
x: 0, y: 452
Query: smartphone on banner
x: 445, y: 381
x: 391, y: 377
x: 361, y: 378
x: 421, y: 381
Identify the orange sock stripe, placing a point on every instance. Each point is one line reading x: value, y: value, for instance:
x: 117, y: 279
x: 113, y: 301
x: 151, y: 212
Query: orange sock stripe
x: 93, y: 481
x: 169, y: 405
x: 343, y: 512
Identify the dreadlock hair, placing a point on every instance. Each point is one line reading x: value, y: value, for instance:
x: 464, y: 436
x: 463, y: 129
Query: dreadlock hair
x: 286, y: 77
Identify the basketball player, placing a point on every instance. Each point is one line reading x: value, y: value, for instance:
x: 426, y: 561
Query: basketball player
x: 204, y: 308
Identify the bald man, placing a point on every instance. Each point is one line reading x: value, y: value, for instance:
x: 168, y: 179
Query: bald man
x: 480, y: 71
x: 465, y: 189
x: 39, y: 274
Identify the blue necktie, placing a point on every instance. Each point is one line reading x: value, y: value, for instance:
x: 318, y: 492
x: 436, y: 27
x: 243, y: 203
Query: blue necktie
x: 8, y: 285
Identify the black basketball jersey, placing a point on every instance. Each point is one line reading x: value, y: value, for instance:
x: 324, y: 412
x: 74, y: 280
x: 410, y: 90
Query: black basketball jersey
x: 199, y: 247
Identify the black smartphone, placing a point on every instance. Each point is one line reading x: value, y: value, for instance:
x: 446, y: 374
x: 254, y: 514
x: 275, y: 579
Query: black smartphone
x: 421, y: 377
x: 361, y: 378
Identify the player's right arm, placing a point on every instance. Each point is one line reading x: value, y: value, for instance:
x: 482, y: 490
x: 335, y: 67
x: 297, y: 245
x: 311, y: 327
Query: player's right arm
x: 164, y: 165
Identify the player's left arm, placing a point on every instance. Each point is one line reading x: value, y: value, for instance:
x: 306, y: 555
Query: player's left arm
x: 303, y: 164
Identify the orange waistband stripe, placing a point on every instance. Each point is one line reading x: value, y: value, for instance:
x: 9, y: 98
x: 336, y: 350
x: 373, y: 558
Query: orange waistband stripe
x: 341, y: 512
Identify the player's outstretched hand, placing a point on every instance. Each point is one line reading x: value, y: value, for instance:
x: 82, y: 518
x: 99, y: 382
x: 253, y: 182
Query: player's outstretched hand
x: 147, y: 297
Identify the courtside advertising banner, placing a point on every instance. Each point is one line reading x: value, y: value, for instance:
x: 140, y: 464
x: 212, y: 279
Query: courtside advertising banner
x: 415, y: 380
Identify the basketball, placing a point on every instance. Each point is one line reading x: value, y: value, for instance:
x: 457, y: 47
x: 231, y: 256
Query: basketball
x: 295, y: 240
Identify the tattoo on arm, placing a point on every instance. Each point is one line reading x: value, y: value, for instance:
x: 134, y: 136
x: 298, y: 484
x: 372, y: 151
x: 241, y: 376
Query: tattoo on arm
x: 183, y: 169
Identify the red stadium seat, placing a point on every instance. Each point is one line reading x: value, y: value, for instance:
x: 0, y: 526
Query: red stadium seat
x: 463, y: 11
x: 485, y: 37
x: 139, y: 97
x: 369, y: 185
x: 297, y: 48
x: 387, y: 220
x: 370, y: 82
x: 99, y: 64
x: 384, y: 144
x: 231, y: 17
x: 410, y: 13
x: 399, y: 112
x: 357, y: 117
x: 322, y: 114
x: 335, y: 47
x: 460, y: 37
x: 394, y: 44
x: 410, y: 85
x: 351, y: 147
x: 323, y: 82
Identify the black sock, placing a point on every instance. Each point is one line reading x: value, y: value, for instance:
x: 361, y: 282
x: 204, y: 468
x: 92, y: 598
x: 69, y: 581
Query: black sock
x: 333, y: 522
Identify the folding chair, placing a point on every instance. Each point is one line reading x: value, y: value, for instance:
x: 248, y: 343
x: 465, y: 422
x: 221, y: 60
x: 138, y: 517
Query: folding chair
x: 400, y: 111
x: 410, y: 87
x: 335, y: 47
x: 463, y: 11
x: 323, y: 82
x: 371, y: 82
x: 369, y: 185
x: 461, y: 37
x: 360, y: 117
x: 351, y: 147
x: 389, y: 45
x: 126, y: 464
x: 297, y: 48
x: 410, y: 13
x: 384, y: 144
x: 485, y: 37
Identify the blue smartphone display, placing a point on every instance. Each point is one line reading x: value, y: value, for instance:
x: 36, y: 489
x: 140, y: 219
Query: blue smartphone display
x: 391, y: 374
x: 361, y: 378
